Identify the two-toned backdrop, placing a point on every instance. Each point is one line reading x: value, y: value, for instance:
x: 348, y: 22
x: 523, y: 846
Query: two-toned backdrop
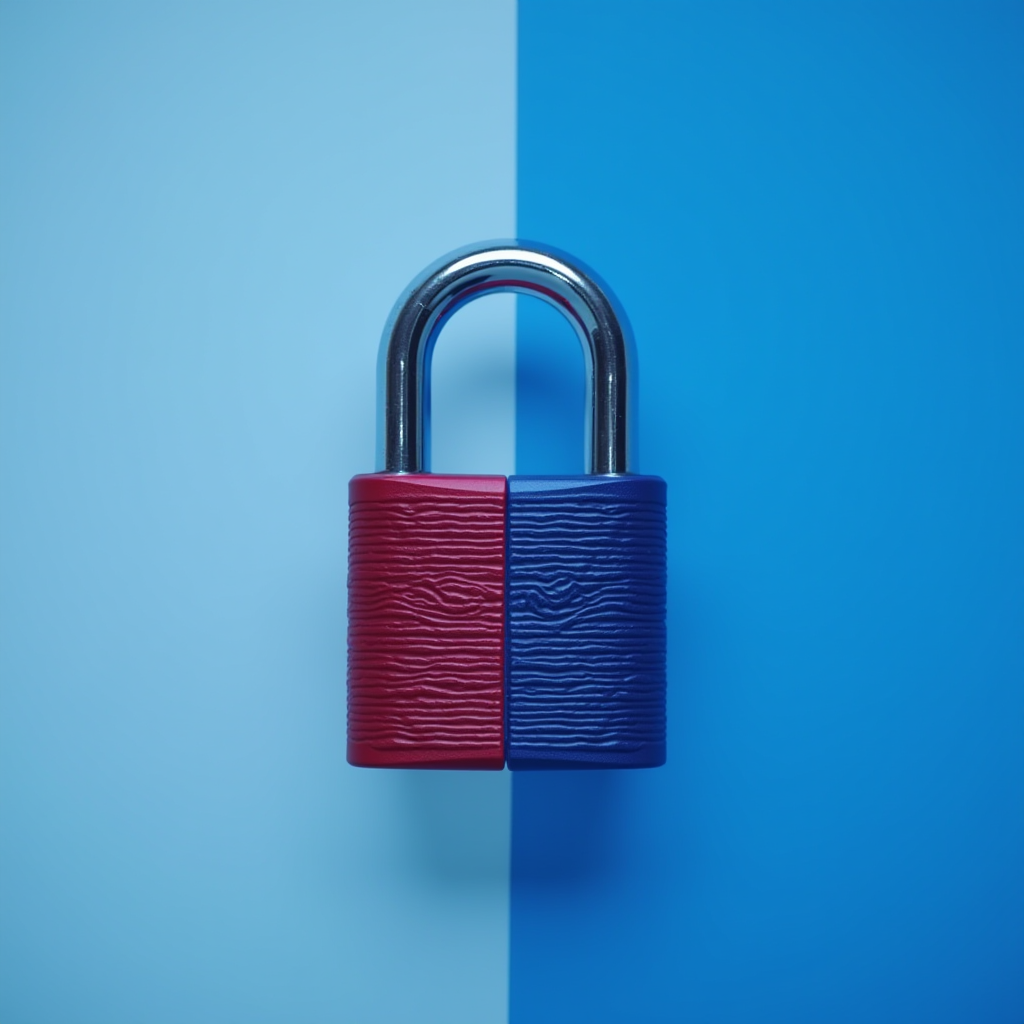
x: 814, y: 216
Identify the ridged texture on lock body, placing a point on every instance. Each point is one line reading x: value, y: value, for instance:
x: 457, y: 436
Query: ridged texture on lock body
x: 586, y: 622
x: 426, y: 613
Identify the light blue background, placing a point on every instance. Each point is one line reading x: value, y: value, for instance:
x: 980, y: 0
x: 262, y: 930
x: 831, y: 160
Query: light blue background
x: 814, y: 214
x: 206, y: 212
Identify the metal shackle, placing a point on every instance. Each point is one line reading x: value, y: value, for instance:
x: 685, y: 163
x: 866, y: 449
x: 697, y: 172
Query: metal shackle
x: 466, y: 274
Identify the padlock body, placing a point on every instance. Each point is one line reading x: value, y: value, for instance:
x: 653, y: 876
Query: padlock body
x: 426, y: 613
x: 585, y: 685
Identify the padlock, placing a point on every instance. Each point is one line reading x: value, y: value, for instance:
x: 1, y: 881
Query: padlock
x: 492, y: 619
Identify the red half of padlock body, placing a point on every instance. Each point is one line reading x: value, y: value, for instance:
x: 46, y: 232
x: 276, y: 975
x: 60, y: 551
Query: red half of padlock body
x: 426, y: 621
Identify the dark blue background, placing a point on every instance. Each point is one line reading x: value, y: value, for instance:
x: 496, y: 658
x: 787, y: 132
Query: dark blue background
x: 814, y: 215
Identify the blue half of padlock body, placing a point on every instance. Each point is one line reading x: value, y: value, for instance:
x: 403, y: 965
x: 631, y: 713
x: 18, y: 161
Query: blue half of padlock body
x: 585, y: 578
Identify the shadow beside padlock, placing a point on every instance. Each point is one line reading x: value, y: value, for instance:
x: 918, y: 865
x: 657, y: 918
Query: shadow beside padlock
x: 459, y: 826
x: 565, y: 827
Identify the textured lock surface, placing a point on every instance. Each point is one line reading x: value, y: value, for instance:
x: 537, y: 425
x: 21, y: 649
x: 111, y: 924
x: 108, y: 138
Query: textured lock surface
x: 586, y: 621
x: 426, y: 617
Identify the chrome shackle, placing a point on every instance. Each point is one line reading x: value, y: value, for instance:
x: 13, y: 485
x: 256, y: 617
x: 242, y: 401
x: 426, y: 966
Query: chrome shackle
x: 460, y: 277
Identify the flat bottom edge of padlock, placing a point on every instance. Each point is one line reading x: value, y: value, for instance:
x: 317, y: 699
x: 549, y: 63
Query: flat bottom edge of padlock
x: 649, y: 757
x: 362, y: 756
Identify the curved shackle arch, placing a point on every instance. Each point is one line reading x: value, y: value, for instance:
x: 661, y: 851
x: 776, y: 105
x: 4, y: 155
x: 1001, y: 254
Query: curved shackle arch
x: 505, y: 266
